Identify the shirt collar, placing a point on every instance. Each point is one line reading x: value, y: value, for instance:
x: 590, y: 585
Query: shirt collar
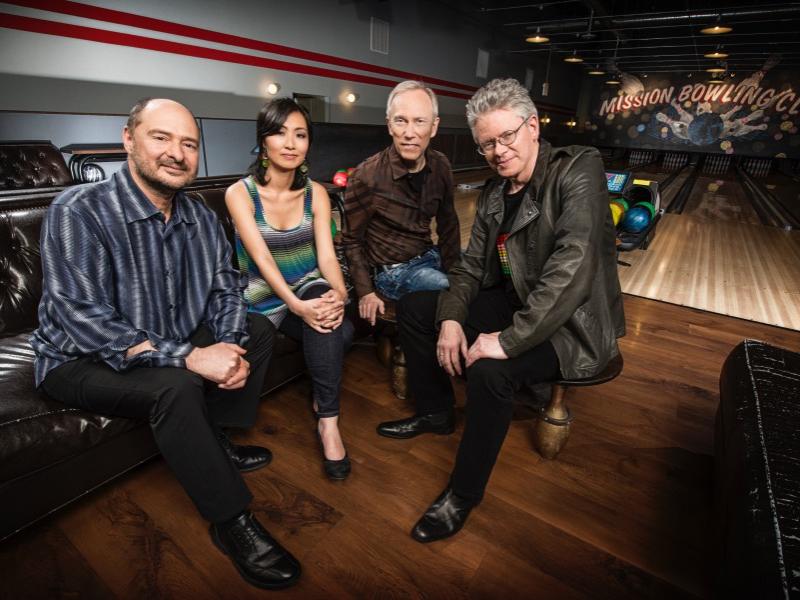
x: 399, y: 168
x: 138, y: 207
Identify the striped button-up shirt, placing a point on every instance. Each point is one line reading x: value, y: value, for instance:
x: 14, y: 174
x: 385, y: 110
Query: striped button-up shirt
x: 388, y: 221
x: 117, y: 274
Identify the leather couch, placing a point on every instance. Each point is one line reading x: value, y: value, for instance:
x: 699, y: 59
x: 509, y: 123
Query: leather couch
x: 51, y: 454
x: 757, y: 473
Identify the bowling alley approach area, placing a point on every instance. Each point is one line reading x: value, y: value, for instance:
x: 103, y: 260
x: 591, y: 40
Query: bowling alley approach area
x: 155, y: 161
x: 727, y: 241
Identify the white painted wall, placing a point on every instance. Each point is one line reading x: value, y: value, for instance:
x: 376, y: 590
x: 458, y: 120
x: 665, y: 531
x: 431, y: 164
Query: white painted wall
x: 41, y: 72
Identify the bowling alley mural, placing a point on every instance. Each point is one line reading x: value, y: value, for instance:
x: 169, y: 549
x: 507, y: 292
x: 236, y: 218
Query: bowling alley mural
x: 757, y: 114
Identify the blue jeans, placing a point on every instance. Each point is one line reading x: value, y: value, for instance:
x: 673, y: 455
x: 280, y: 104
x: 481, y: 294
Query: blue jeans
x: 419, y: 274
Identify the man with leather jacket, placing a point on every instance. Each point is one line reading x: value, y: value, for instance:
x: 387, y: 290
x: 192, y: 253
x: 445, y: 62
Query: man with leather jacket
x: 534, y: 298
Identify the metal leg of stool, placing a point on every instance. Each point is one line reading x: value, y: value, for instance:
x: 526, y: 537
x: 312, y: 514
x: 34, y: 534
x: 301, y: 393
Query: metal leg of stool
x: 552, y: 429
x: 399, y: 373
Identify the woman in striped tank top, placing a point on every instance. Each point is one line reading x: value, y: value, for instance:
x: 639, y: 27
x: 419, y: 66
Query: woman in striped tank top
x: 284, y: 244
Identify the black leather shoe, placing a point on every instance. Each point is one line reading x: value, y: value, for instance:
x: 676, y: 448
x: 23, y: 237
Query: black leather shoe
x: 334, y: 469
x: 260, y: 560
x: 445, y: 517
x: 441, y: 422
x: 246, y: 458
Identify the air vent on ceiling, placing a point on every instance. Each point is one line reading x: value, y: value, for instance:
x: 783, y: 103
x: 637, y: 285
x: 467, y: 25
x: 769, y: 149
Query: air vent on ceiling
x: 378, y: 36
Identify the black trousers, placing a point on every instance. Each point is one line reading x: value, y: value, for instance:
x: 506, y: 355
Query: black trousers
x: 184, y: 411
x: 490, y: 383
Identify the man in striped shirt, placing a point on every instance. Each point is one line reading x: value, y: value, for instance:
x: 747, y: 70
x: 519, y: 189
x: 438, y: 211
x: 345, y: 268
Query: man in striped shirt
x: 142, y: 316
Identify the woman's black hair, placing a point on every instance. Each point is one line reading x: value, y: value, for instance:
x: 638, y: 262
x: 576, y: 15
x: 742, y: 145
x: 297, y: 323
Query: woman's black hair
x: 270, y: 120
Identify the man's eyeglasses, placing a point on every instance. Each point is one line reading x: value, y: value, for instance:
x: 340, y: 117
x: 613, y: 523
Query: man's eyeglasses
x: 506, y: 138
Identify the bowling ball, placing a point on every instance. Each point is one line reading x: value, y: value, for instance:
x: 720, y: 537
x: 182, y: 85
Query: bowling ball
x: 622, y: 202
x: 705, y: 129
x: 616, y: 212
x: 340, y: 178
x: 649, y: 206
x: 636, y: 219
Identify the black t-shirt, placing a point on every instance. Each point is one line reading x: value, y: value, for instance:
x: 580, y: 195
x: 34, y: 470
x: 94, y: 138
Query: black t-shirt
x: 417, y: 180
x: 512, y: 204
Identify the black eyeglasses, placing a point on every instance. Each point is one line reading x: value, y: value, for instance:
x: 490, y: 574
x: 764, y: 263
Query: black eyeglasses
x: 506, y: 138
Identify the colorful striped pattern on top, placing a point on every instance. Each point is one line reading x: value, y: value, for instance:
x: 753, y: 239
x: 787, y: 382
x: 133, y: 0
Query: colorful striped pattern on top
x: 293, y: 250
x: 505, y: 266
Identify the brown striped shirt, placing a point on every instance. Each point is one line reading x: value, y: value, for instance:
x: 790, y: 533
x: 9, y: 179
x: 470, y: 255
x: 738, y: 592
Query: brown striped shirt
x: 388, y: 222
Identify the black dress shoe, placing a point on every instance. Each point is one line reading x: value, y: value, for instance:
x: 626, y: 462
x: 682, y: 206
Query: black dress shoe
x: 246, y: 458
x: 445, y: 517
x: 260, y: 560
x: 334, y: 469
x: 441, y: 422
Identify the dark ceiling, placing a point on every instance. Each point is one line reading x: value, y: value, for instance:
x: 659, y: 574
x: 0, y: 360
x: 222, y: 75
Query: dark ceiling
x: 646, y: 37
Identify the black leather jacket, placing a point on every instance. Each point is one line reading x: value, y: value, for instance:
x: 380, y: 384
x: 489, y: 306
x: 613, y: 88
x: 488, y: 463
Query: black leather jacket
x: 561, y: 249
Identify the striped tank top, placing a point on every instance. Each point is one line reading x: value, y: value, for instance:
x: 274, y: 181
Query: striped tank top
x: 292, y: 249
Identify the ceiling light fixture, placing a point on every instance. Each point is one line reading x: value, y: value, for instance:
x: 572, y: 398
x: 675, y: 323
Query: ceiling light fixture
x: 573, y: 58
x: 612, y: 81
x: 716, y: 54
x: 716, y: 29
x: 596, y: 71
x: 538, y: 38
x: 715, y: 70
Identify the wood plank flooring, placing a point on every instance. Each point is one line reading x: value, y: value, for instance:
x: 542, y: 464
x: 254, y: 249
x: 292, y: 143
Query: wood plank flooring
x: 624, y: 512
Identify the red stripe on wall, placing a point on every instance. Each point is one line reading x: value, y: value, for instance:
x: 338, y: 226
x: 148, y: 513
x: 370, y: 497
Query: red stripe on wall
x: 136, y: 41
x: 123, y: 18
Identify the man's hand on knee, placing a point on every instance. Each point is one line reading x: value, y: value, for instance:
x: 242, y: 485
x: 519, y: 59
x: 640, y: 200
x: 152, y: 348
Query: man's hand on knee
x: 451, y: 346
x: 486, y: 346
x: 239, y: 378
x: 218, y: 362
x: 369, y: 306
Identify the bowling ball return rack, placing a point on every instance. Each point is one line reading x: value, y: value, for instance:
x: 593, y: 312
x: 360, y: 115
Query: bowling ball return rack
x: 635, y: 190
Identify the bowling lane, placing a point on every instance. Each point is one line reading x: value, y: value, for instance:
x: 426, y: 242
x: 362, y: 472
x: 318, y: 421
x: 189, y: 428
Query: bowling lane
x: 786, y: 190
x: 720, y: 197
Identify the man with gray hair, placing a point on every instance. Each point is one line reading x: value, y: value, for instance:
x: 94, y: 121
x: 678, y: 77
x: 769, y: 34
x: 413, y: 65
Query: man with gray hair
x: 390, y: 201
x: 535, y: 297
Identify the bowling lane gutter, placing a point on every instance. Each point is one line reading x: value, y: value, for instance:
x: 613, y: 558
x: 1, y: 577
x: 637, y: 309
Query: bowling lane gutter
x: 679, y: 201
x: 769, y: 209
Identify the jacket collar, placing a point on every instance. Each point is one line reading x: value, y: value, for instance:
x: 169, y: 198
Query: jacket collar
x: 399, y: 168
x: 527, y: 209
x: 138, y: 207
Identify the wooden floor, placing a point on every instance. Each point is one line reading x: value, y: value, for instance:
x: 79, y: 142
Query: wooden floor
x: 624, y: 512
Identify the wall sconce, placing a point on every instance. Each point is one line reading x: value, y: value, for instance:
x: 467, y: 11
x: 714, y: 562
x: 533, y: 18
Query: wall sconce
x: 571, y: 123
x: 351, y: 98
x: 544, y: 120
x: 273, y: 88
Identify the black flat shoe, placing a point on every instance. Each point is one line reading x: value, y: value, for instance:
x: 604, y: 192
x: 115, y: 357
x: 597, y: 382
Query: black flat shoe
x: 334, y: 469
x: 442, y: 423
x: 445, y: 517
x: 260, y: 560
x: 246, y: 458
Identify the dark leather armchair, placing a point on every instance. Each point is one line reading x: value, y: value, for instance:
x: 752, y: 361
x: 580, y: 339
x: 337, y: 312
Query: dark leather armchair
x: 32, y: 165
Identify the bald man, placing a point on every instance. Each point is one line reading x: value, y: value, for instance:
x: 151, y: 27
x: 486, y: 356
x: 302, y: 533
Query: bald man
x: 142, y: 316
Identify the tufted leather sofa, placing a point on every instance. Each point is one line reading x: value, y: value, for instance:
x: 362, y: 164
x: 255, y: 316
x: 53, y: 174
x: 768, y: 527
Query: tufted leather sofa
x: 51, y: 454
x: 757, y: 473
x: 31, y: 165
